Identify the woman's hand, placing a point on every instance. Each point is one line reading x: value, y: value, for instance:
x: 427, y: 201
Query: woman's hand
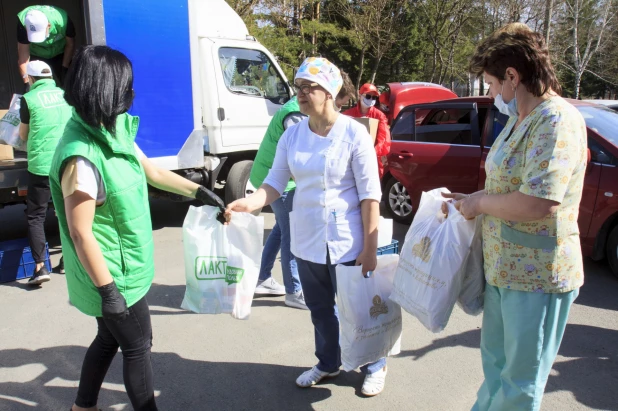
x: 262, y: 197
x: 113, y: 304
x: 469, y: 207
x: 368, y: 260
x: 242, y: 205
x: 454, y: 196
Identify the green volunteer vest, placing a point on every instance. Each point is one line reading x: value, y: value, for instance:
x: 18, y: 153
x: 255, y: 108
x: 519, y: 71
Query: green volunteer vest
x: 49, y: 114
x: 122, y: 224
x: 266, y: 153
x: 54, y: 44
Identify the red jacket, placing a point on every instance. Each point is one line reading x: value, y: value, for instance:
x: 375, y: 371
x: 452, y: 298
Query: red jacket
x: 383, y: 138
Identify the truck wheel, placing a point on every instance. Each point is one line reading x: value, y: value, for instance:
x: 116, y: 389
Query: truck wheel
x: 612, y: 251
x: 398, y: 202
x: 237, y: 184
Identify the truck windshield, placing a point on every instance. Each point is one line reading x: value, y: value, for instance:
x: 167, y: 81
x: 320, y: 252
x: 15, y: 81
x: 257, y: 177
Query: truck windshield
x: 251, y: 73
x: 602, y: 120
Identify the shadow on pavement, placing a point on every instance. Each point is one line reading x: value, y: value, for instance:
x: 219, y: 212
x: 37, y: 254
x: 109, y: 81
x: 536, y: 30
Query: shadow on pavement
x: 600, y: 287
x: 589, y: 370
x: 470, y: 339
x: 48, y: 381
x: 170, y: 296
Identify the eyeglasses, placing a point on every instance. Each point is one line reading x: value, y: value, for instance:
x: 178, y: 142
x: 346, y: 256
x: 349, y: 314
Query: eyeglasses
x: 371, y: 97
x: 304, y: 88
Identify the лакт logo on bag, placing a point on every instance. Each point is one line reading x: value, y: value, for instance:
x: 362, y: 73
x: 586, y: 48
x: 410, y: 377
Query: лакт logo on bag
x: 421, y: 249
x: 379, y: 307
x: 216, y: 268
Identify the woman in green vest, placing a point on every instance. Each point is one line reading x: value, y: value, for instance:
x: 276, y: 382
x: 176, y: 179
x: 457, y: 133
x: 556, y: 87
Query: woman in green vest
x: 98, y: 182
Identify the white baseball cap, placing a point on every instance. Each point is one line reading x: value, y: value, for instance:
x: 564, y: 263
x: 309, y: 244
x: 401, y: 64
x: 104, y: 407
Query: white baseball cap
x: 36, y: 23
x: 37, y: 68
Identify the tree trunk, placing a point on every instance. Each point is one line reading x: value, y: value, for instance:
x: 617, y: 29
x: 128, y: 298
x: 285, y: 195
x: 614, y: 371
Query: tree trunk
x: 481, y: 85
x: 360, y: 71
x: 442, y: 68
x: 469, y: 86
x: 314, y: 39
x: 433, y: 65
x: 578, y: 80
x: 549, y: 5
x: 375, y: 69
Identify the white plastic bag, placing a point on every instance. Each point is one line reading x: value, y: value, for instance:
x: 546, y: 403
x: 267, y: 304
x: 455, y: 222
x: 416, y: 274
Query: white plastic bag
x: 385, y: 232
x: 370, y: 322
x: 472, y: 295
x: 9, y: 125
x: 428, y: 278
x: 222, y: 263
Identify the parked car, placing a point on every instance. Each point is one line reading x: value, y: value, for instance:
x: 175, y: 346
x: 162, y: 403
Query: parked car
x: 445, y: 144
x: 397, y: 96
x: 613, y: 104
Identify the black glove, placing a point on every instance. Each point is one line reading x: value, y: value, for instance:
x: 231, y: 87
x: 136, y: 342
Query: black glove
x: 113, y: 304
x: 26, y: 87
x: 209, y: 198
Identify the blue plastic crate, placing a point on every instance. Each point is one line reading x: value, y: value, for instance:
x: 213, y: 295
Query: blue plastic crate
x: 392, y: 248
x: 16, y: 260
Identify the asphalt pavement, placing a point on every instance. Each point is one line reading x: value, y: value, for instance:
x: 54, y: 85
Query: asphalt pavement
x: 214, y: 362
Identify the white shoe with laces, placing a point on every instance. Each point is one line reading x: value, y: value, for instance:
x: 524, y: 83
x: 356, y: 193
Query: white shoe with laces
x: 296, y: 300
x: 374, y: 383
x: 313, y: 376
x: 269, y: 287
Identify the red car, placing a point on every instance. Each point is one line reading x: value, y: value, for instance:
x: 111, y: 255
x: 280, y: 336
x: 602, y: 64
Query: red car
x: 397, y: 96
x: 444, y: 144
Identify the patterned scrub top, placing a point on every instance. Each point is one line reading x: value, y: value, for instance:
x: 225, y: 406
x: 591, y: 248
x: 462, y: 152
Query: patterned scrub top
x: 545, y: 157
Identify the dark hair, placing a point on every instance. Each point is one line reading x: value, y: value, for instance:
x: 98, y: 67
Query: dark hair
x: 347, y: 89
x: 524, y: 50
x: 99, y: 85
x: 37, y: 78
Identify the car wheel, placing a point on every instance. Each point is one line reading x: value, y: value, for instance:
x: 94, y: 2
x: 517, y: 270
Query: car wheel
x: 398, y: 202
x: 612, y: 251
x: 237, y: 184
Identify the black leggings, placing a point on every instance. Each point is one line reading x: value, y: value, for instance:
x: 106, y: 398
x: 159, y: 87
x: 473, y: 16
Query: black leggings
x: 37, y: 200
x: 134, y: 336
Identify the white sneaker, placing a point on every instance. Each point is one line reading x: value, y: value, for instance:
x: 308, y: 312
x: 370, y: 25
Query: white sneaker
x: 313, y: 376
x: 296, y: 300
x: 269, y: 287
x: 374, y: 383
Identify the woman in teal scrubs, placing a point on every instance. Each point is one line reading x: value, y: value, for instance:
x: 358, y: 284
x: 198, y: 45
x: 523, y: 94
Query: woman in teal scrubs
x: 533, y: 261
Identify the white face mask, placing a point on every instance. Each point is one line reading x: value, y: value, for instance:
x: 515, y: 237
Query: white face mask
x: 508, y: 109
x: 367, y: 102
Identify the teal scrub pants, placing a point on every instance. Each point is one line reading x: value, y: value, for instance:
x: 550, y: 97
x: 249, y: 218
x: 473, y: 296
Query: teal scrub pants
x: 520, y: 338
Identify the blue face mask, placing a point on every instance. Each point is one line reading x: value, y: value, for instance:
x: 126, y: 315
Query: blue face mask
x: 508, y: 109
x: 367, y: 102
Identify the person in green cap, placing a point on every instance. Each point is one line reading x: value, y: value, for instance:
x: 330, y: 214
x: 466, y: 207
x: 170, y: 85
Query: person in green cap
x: 45, y: 33
x: 44, y: 113
x: 98, y: 182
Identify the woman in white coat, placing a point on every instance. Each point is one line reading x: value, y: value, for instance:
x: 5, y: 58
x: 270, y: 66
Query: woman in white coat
x: 336, y: 208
